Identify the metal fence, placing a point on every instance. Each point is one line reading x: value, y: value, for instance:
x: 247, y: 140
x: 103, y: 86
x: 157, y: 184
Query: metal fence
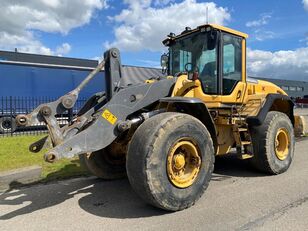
x: 11, y: 106
x: 301, y: 105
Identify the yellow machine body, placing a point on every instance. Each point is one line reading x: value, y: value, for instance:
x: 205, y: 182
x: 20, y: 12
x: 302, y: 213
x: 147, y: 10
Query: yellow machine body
x: 230, y: 110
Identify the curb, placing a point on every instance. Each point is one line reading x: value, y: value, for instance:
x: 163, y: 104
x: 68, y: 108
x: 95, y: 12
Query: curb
x: 20, y: 176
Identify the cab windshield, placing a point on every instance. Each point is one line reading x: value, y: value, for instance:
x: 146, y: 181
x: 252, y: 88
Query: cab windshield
x: 199, y: 52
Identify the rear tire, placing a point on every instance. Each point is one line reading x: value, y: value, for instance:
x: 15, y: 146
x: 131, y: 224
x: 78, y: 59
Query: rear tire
x: 273, y: 143
x: 170, y: 161
x: 104, y: 165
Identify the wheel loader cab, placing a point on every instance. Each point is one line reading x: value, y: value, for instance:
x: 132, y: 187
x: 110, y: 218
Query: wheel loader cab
x: 217, y: 55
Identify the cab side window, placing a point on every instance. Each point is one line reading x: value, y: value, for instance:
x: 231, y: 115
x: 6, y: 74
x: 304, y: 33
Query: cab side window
x: 232, y: 62
x: 208, y: 71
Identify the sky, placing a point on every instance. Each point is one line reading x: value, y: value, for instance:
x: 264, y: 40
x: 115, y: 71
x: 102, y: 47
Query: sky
x: 277, y: 43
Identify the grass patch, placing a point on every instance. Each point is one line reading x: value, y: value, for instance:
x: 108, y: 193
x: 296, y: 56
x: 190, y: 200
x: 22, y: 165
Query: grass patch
x: 14, y: 153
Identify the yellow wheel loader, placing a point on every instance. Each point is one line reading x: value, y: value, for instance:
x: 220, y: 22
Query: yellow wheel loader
x: 164, y: 134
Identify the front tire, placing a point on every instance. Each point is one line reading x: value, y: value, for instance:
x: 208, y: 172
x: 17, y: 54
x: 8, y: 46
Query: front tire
x: 170, y: 161
x: 273, y: 143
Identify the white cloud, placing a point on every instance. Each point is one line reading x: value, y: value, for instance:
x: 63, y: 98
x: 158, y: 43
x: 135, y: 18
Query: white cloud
x: 19, y: 21
x: 27, y: 44
x: 142, y: 26
x: 63, y: 49
x: 24, y: 42
x: 258, y: 31
x: 162, y: 2
x: 305, y: 2
x: 284, y: 64
x: 261, y: 35
x: 260, y: 22
x: 304, y: 40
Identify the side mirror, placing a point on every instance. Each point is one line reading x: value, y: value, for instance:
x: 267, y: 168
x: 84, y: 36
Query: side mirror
x: 164, y: 62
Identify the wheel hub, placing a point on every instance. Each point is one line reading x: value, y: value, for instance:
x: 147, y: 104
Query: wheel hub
x: 179, y: 161
x: 183, y: 163
x: 282, y: 143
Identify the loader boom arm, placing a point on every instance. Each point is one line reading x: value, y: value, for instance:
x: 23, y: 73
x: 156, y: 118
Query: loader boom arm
x: 101, y: 119
x: 46, y: 112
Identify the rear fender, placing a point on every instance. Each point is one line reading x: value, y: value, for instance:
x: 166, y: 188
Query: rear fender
x: 273, y: 102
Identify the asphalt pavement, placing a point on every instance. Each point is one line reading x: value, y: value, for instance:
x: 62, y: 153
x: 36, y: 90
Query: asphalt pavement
x: 238, y: 198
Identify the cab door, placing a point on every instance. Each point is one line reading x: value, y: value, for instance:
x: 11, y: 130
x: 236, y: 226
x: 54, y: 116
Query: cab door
x: 222, y: 80
x: 232, y: 69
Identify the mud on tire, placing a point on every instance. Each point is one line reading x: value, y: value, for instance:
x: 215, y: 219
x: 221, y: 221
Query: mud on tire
x: 148, y: 158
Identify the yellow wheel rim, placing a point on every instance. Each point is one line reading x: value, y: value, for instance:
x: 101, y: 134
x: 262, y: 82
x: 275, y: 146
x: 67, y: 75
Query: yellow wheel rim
x: 282, y: 143
x: 183, y: 163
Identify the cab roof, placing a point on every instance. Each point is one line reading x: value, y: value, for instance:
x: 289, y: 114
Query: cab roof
x: 229, y: 30
x: 218, y: 27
